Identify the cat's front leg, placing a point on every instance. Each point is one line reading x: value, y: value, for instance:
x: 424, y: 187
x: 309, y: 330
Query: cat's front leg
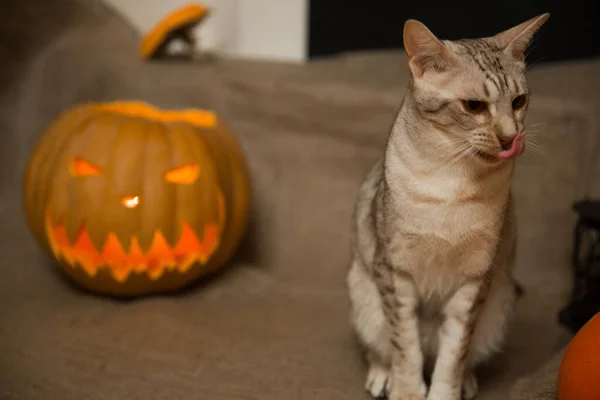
x: 460, y: 315
x: 401, y: 302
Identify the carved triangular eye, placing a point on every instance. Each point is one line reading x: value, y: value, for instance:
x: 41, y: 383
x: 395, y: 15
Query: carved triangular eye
x: 185, y: 174
x: 81, y: 167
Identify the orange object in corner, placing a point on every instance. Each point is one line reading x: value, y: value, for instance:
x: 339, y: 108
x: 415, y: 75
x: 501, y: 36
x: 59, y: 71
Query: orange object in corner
x: 177, y: 23
x: 579, y: 375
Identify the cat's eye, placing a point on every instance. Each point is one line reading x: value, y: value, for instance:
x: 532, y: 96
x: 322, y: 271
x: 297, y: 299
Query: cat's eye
x: 475, y: 106
x: 519, y: 102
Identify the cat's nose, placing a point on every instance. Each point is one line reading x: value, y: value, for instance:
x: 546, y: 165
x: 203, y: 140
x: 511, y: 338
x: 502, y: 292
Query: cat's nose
x: 506, y: 130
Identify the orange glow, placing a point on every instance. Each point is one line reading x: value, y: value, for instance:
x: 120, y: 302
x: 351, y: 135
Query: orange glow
x: 196, y: 117
x: 185, y: 174
x: 159, y: 258
x: 81, y: 167
x: 130, y: 201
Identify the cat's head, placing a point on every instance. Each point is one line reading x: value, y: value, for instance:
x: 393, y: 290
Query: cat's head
x: 474, y: 90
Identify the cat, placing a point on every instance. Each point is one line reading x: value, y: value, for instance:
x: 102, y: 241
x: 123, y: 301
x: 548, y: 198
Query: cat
x: 430, y: 282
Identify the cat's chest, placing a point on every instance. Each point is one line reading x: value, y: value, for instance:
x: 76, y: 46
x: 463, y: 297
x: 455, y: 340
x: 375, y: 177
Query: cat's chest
x: 445, y: 244
x: 437, y: 265
x: 452, y: 223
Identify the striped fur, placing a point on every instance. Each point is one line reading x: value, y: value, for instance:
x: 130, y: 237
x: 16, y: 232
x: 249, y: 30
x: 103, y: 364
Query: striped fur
x: 431, y: 283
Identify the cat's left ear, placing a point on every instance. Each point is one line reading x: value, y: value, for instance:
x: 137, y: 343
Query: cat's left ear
x: 426, y: 53
x: 515, y: 40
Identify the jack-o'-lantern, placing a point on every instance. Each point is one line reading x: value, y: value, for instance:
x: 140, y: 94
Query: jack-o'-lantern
x: 132, y: 200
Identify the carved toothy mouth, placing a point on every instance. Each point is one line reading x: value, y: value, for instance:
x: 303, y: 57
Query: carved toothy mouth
x: 154, y: 262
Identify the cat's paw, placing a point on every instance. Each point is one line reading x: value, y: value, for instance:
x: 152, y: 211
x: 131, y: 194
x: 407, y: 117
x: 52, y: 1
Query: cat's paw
x: 444, y: 391
x: 403, y: 391
x: 378, y: 382
x: 470, y: 388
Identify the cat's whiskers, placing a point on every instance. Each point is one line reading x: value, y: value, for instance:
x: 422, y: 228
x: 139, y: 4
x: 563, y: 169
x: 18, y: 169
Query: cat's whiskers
x: 452, y: 143
x: 536, y: 125
x: 536, y: 147
x: 449, y: 149
x: 459, y: 154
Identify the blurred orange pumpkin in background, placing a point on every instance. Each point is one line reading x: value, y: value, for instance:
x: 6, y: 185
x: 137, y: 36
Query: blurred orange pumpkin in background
x: 579, y: 374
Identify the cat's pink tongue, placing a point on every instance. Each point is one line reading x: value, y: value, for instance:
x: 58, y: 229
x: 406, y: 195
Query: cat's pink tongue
x: 517, y: 147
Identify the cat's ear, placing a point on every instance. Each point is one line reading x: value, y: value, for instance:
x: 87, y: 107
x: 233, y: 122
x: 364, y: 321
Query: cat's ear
x: 515, y: 40
x: 425, y: 51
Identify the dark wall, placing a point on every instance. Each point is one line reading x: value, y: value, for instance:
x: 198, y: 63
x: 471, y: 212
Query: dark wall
x: 573, y: 30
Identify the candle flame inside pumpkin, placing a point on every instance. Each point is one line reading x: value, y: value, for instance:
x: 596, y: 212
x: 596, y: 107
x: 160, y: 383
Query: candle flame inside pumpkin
x: 130, y: 201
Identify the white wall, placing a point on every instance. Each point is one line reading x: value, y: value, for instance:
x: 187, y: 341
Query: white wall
x: 258, y: 29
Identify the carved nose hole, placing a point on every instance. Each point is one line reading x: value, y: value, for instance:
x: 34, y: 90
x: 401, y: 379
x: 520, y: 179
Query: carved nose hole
x: 130, y: 201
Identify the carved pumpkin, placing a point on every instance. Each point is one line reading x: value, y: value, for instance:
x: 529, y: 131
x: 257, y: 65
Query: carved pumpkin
x: 579, y: 374
x: 133, y: 200
x: 176, y: 25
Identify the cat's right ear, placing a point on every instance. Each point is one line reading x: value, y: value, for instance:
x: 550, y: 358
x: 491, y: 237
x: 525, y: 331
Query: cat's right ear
x: 425, y: 51
x: 515, y: 40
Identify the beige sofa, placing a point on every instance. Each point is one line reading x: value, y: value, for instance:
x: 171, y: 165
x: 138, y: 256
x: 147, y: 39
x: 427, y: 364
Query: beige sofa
x: 274, y: 324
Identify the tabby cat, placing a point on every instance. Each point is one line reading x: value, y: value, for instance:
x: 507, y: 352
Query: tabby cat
x: 430, y: 282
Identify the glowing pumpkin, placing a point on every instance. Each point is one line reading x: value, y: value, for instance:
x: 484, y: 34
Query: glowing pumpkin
x: 176, y: 25
x: 579, y: 374
x: 132, y: 200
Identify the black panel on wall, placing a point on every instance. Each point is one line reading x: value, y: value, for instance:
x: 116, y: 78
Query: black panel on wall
x: 573, y: 30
